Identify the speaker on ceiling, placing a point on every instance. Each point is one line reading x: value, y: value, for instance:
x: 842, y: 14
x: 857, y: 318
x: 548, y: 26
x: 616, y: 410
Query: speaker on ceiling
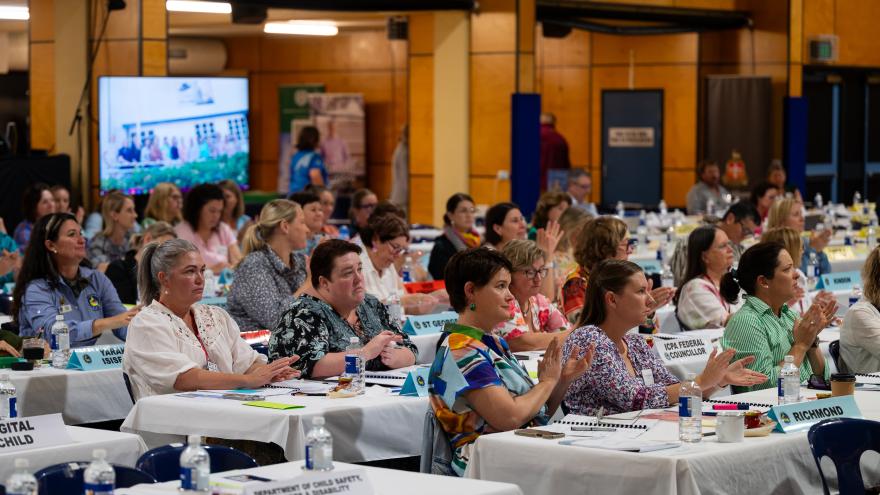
x: 398, y: 28
x: 248, y: 14
x: 115, y: 4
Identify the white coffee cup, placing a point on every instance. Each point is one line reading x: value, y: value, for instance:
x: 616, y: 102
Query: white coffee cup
x: 730, y: 426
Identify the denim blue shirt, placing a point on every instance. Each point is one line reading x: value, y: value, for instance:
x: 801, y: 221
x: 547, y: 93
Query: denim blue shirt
x: 821, y: 258
x: 41, y: 304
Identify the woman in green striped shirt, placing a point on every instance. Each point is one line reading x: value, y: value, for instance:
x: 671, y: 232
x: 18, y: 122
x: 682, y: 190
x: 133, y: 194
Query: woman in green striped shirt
x: 765, y: 327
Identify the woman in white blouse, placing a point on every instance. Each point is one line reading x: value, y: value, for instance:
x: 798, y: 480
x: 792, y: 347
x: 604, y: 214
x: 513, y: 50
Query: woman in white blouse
x: 177, y: 345
x: 860, y: 332
x: 698, y: 301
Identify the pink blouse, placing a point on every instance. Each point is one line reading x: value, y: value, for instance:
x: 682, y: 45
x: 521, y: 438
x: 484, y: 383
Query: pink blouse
x: 545, y: 318
x: 216, y: 250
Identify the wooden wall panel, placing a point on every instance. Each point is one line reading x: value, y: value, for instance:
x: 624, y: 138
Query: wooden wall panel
x: 421, y: 34
x: 154, y: 19
x: 489, y: 190
x: 123, y: 24
x: 42, y: 20
x: 421, y: 199
x: 676, y: 184
x: 661, y: 49
x: 856, y: 24
x: 42, y: 95
x: 565, y: 92
x: 380, y: 179
x: 492, y: 83
x: 155, y: 58
x: 421, y: 101
x: 493, y: 27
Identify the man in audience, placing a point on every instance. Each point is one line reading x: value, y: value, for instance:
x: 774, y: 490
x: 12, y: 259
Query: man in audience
x: 708, y: 188
x: 580, y: 185
x: 739, y: 222
x: 554, y: 148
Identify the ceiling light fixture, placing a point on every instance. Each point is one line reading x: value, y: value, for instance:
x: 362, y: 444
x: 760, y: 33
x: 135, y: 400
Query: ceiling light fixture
x: 199, y: 7
x: 305, y: 28
x: 14, y: 13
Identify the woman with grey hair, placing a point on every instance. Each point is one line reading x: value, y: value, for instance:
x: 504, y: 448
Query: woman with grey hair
x: 179, y: 345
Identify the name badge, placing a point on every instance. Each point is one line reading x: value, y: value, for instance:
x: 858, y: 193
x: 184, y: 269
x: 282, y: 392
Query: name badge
x: 100, y: 357
x: 648, y: 377
x: 65, y: 308
x: 212, y: 366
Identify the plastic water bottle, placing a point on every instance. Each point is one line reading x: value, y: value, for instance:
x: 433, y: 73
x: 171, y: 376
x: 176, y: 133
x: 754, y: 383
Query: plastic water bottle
x: 211, y: 285
x: 818, y: 203
x: 195, y: 466
x: 642, y: 229
x: 22, y: 482
x: 8, y: 400
x: 354, y: 367
x: 319, y: 447
x: 407, y: 271
x: 812, y: 271
x: 344, y: 233
x: 857, y: 199
x: 99, y: 478
x: 855, y: 294
x: 690, y: 410
x: 710, y: 207
x: 848, y: 236
x: 395, y: 309
x: 789, y: 383
x: 664, y: 209
x: 60, y: 343
x: 621, y: 211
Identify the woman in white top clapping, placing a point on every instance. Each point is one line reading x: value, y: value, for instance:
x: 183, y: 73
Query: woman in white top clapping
x: 175, y: 344
x: 698, y: 301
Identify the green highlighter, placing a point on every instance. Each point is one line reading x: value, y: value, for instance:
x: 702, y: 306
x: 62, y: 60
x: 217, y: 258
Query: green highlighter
x: 272, y: 405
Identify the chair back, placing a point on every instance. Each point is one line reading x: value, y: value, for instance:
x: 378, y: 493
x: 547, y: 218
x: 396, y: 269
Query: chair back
x: 834, y: 350
x: 844, y: 440
x: 68, y: 477
x: 127, y: 381
x: 436, y: 450
x: 163, y: 463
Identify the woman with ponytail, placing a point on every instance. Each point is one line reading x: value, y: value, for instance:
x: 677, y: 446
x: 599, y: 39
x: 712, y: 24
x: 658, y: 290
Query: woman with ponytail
x: 177, y: 345
x: 271, y: 271
x: 765, y: 327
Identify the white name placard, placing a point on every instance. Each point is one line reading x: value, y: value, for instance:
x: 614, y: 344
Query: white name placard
x: 33, y: 432
x: 683, y: 350
x: 349, y: 481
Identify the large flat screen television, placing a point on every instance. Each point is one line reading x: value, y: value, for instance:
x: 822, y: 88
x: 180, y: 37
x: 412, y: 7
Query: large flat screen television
x: 185, y: 130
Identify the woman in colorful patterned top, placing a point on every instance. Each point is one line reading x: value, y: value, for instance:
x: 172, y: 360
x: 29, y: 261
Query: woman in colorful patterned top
x: 476, y: 385
x: 320, y: 323
x: 626, y: 375
x: 698, y: 301
x: 765, y: 327
x: 601, y: 238
x: 535, y: 320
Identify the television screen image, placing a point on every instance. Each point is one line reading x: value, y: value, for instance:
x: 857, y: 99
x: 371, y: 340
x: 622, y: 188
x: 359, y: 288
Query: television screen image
x: 185, y: 130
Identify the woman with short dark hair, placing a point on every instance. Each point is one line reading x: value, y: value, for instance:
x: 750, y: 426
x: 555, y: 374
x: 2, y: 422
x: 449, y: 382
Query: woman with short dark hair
x: 458, y: 233
x: 201, y: 225
x: 335, y: 308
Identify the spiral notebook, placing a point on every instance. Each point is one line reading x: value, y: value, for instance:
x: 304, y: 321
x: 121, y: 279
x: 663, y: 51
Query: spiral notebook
x: 578, y: 420
x: 868, y: 378
x: 763, y: 407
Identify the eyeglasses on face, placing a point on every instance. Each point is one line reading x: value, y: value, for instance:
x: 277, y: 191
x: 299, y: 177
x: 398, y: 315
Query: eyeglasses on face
x: 368, y: 206
x: 533, y: 273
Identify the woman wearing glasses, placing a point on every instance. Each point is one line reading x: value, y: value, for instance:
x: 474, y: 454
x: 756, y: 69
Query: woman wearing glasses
x: 698, y: 301
x: 601, y: 239
x: 363, y: 202
x: 458, y: 233
x: 52, y: 282
x: 534, y: 322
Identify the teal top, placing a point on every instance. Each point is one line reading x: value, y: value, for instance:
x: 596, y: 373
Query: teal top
x: 8, y: 244
x: 755, y: 330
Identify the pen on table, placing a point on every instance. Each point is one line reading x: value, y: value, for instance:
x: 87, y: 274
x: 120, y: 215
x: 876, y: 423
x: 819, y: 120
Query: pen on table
x: 709, y: 434
x: 592, y: 428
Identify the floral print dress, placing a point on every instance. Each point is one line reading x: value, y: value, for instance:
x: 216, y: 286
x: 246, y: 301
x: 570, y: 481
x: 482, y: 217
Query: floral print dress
x: 545, y: 318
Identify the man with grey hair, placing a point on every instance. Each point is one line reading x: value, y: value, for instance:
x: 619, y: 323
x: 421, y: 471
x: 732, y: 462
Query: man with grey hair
x: 580, y: 185
x: 554, y: 148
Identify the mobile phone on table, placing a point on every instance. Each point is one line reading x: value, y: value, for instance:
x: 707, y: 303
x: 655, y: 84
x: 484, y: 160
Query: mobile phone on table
x: 536, y: 433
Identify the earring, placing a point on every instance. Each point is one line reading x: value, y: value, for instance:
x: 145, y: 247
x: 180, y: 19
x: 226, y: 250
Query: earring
x: 473, y: 307
x: 55, y: 251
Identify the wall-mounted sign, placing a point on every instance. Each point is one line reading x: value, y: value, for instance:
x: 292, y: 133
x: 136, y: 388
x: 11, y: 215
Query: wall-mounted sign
x: 631, y: 137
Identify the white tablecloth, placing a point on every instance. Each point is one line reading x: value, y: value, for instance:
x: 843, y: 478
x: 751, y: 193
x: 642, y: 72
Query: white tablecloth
x: 779, y: 463
x: 122, y: 448
x: 373, y: 426
x: 427, y: 346
x: 383, y: 481
x: 80, y: 396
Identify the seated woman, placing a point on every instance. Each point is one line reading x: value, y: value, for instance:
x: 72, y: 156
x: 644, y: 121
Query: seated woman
x: 63, y: 204
x: 112, y: 243
x: 571, y: 222
x: 476, y: 384
x: 123, y: 273
x: 762, y: 197
x: 787, y: 212
x: 698, y: 302
x: 626, y: 374
x: 504, y: 223
x: 551, y: 205
x: 320, y: 323
x: 165, y: 204
x: 385, y: 240
x: 52, y: 282
x: 313, y: 217
x: 201, y: 226
x: 10, y: 259
x: 178, y: 345
x: 307, y: 165
x: 233, y: 207
x: 601, y: 238
x: 36, y: 202
x: 328, y: 204
x: 765, y: 327
x: 535, y: 322
x: 272, y: 270
x: 363, y: 202
x: 458, y: 233
x: 793, y: 243
x: 860, y: 332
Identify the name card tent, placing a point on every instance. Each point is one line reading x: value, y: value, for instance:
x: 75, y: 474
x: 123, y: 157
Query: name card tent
x: 33, y: 432
x: 841, y: 280
x: 416, y: 384
x: 350, y: 481
x: 802, y: 415
x: 428, y: 324
x: 100, y: 357
x: 683, y: 350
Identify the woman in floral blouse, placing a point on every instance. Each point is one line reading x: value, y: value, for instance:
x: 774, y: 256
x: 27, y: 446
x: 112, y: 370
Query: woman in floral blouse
x: 535, y: 321
x: 626, y: 375
x: 476, y: 385
x: 320, y: 323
